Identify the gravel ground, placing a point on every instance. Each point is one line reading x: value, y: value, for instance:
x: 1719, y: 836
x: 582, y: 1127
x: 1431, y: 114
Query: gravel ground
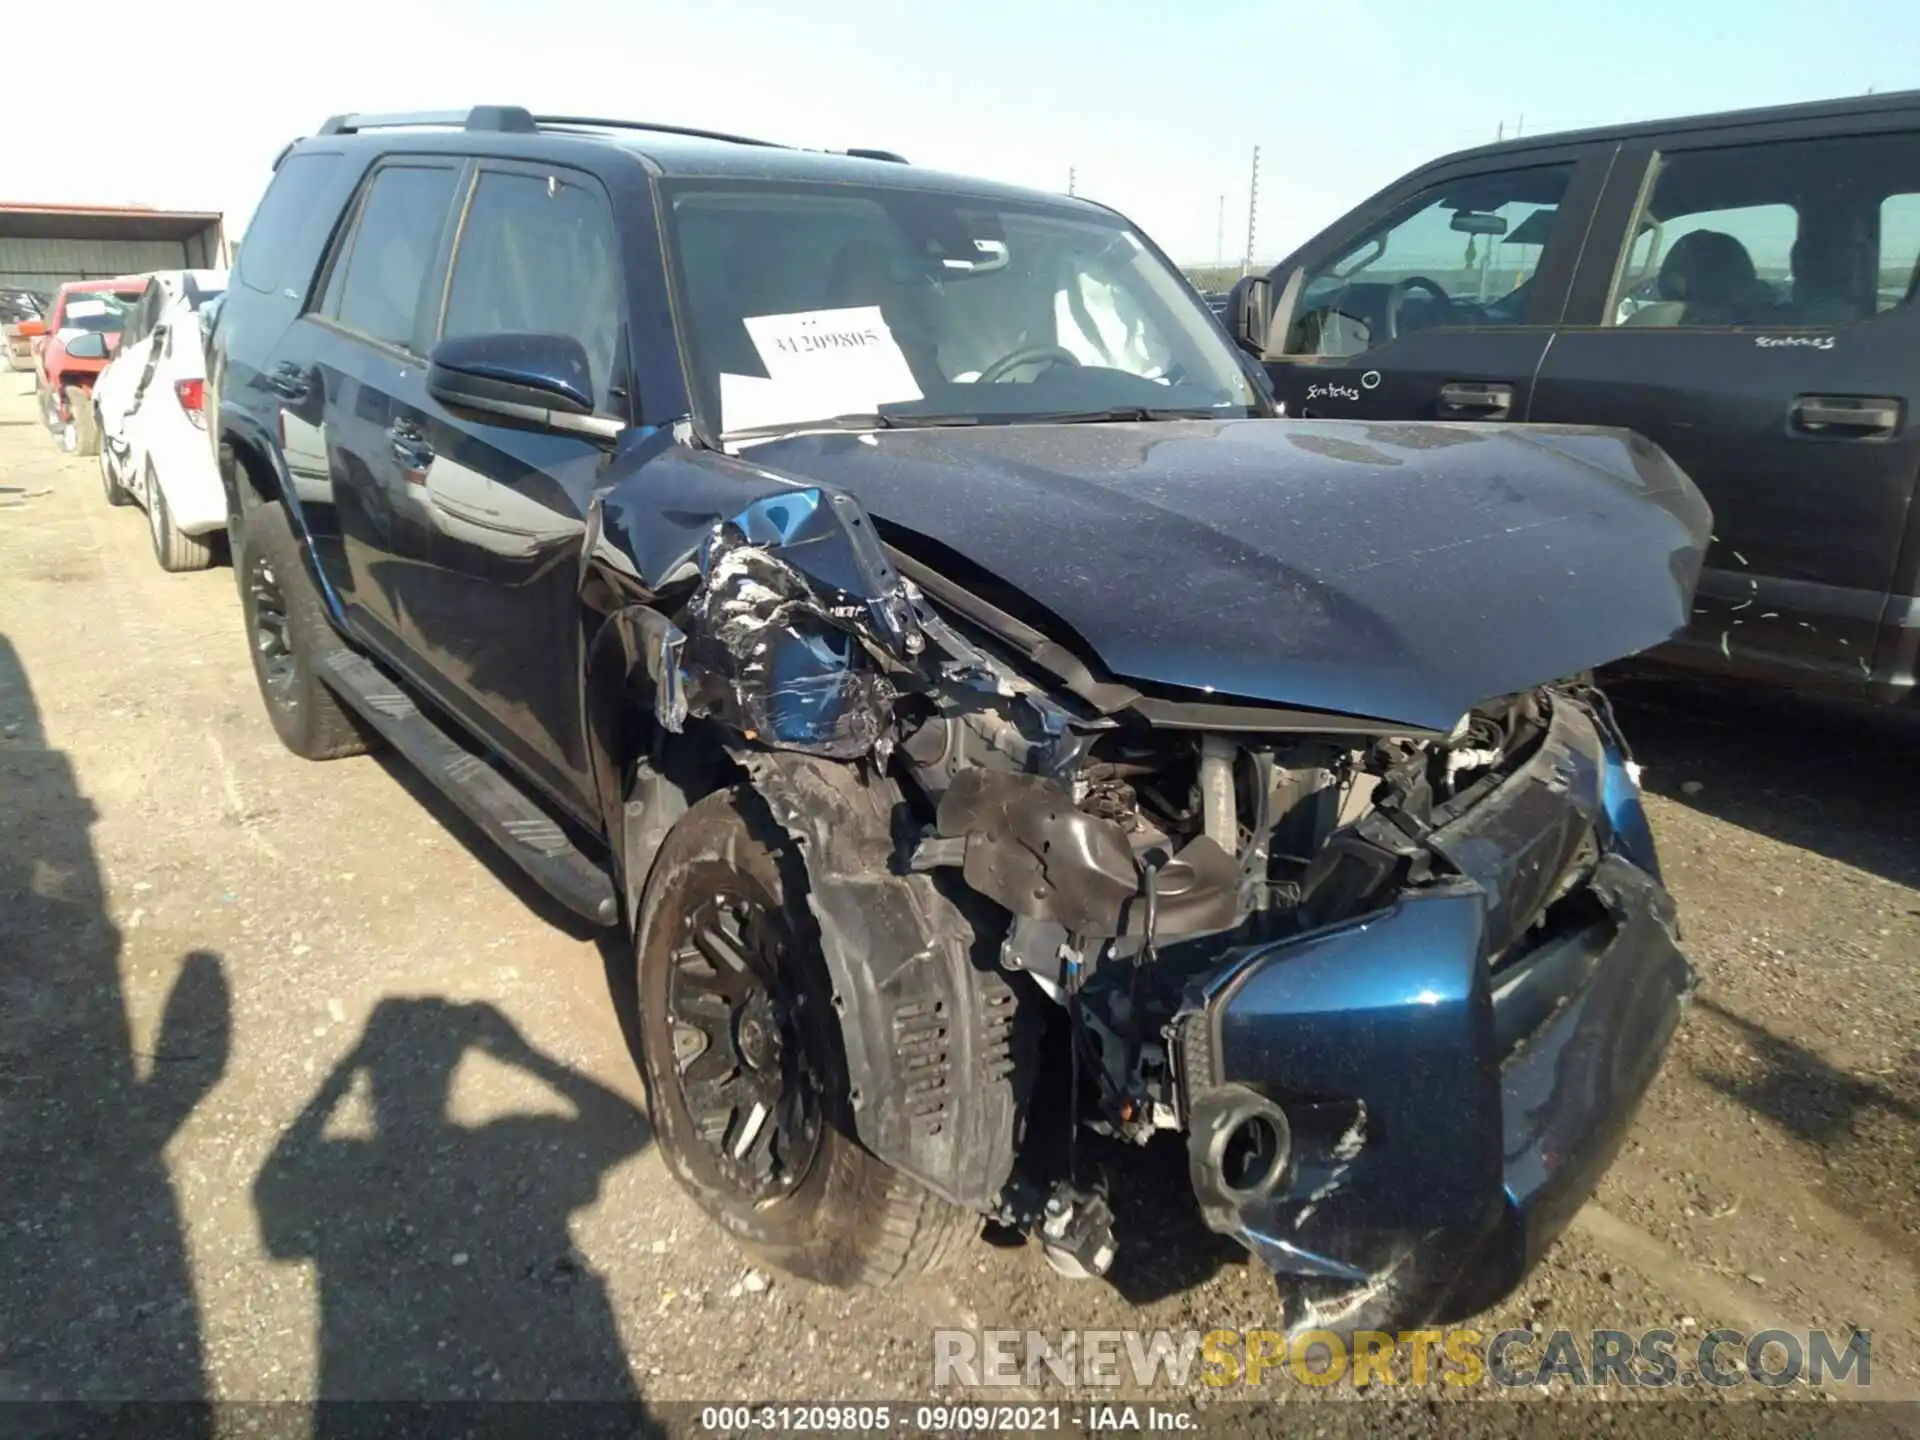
x: 304, y: 1092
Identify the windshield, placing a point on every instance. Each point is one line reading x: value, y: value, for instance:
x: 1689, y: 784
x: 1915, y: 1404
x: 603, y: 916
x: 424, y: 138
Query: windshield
x: 810, y: 303
x: 98, y: 311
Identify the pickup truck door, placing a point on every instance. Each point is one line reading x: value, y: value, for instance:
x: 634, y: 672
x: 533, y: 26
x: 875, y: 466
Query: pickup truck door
x: 1436, y: 299
x: 1746, y: 302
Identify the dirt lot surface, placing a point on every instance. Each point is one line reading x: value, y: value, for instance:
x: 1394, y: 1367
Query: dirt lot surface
x: 304, y: 1091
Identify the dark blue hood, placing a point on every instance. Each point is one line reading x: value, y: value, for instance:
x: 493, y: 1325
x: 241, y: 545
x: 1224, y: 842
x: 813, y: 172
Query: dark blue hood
x: 1402, y: 572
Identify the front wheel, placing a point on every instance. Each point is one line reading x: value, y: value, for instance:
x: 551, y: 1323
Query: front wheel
x: 747, y: 1086
x: 110, y: 482
x: 80, y: 435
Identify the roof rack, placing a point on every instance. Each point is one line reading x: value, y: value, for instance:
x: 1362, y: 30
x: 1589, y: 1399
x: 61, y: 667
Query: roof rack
x: 595, y: 122
x: 511, y: 118
x: 517, y: 120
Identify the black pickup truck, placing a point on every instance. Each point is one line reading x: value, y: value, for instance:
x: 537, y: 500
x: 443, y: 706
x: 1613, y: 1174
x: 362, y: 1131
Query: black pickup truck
x: 893, y: 600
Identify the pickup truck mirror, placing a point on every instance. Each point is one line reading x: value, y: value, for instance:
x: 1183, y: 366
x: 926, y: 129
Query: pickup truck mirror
x: 537, y: 379
x: 90, y: 346
x: 1249, y: 306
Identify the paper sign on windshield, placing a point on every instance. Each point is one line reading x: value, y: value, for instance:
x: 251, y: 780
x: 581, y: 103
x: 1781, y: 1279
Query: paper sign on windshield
x: 86, y: 309
x: 820, y: 363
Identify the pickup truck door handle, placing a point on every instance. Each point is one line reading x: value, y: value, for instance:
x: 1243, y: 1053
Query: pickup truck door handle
x: 1845, y: 417
x: 288, y: 381
x: 1475, y: 400
x: 412, y: 449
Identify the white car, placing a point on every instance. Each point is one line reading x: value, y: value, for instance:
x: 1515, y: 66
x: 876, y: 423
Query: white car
x: 150, y: 404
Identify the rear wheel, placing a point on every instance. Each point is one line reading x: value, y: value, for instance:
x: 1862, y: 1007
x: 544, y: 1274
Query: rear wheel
x: 288, y: 631
x: 746, y: 1083
x: 175, y: 552
x: 80, y: 435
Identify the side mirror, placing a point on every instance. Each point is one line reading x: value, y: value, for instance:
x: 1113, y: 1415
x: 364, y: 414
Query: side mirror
x: 542, y: 380
x: 30, y: 329
x: 1249, y: 307
x: 90, y: 346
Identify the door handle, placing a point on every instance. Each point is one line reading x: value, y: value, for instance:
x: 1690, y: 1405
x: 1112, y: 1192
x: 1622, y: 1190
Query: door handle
x: 411, y: 449
x: 1461, y: 399
x: 288, y: 381
x: 1845, y: 417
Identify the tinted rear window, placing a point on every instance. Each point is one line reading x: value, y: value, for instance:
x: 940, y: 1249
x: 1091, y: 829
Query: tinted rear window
x: 285, y: 236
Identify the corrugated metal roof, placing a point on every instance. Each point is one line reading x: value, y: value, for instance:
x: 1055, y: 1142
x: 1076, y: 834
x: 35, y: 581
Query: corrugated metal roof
x: 101, y: 222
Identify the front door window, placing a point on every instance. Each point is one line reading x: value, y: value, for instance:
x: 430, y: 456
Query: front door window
x: 1462, y: 254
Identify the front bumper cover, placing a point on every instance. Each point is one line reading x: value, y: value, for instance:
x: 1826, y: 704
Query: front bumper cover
x: 1455, y: 1073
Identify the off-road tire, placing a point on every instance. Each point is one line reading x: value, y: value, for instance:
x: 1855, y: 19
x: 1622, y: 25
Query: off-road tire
x: 176, y: 552
x: 115, y: 491
x: 86, y: 430
x: 310, y: 719
x: 853, y: 1220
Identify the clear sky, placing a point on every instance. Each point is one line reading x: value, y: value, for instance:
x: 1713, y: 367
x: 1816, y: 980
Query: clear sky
x: 1155, y: 106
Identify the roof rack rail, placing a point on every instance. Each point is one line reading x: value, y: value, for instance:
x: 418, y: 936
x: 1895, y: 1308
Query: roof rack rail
x: 892, y: 157
x: 510, y: 118
x: 595, y: 122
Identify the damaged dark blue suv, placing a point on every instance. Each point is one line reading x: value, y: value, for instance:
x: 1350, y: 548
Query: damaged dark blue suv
x: 892, y: 598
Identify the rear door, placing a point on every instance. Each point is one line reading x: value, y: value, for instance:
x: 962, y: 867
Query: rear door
x: 362, y: 383
x: 1746, y: 301
x: 1436, y: 299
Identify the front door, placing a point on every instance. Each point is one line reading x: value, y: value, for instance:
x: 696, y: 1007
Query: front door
x: 1749, y: 307
x: 117, y: 393
x: 1436, y: 302
x: 504, y: 508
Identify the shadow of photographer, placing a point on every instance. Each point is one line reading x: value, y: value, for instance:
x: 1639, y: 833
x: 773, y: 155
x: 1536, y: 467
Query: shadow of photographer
x: 446, y: 1269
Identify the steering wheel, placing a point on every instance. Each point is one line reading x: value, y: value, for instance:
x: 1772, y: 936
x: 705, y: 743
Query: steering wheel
x: 1398, y: 294
x: 1025, y: 355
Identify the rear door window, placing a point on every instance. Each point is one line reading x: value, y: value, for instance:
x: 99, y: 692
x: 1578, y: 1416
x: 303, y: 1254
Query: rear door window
x: 381, y: 270
x: 1805, y: 233
x: 1899, y: 251
x: 537, y: 254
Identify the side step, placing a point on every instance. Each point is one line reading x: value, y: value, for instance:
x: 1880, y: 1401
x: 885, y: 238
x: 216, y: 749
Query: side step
x: 515, y: 823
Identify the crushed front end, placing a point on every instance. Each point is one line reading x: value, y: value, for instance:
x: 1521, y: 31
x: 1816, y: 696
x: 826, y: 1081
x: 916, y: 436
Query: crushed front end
x: 1401, y: 988
x: 1399, y: 1110
x: 1402, y: 993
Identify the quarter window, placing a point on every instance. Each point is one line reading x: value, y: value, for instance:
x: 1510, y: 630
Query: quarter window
x: 537, y: 254
x: 283, y: 239
x: 391, y: 250
x: 1813, y: 233
x: 1463, y: 253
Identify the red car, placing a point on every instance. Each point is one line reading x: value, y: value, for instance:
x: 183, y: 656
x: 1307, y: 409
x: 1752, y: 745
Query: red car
x: 72, y: 346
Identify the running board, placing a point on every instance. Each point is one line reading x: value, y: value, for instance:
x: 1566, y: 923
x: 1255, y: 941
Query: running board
x: 515, y: 823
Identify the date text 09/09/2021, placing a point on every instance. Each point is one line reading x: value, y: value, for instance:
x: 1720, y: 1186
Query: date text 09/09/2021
x: 942, y: 1418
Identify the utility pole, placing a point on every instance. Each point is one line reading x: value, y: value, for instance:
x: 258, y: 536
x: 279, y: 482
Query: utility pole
x: 1220, y: 235
x: 1253, y: 208
x: 1521, y: 128
x: 1070, y: 180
